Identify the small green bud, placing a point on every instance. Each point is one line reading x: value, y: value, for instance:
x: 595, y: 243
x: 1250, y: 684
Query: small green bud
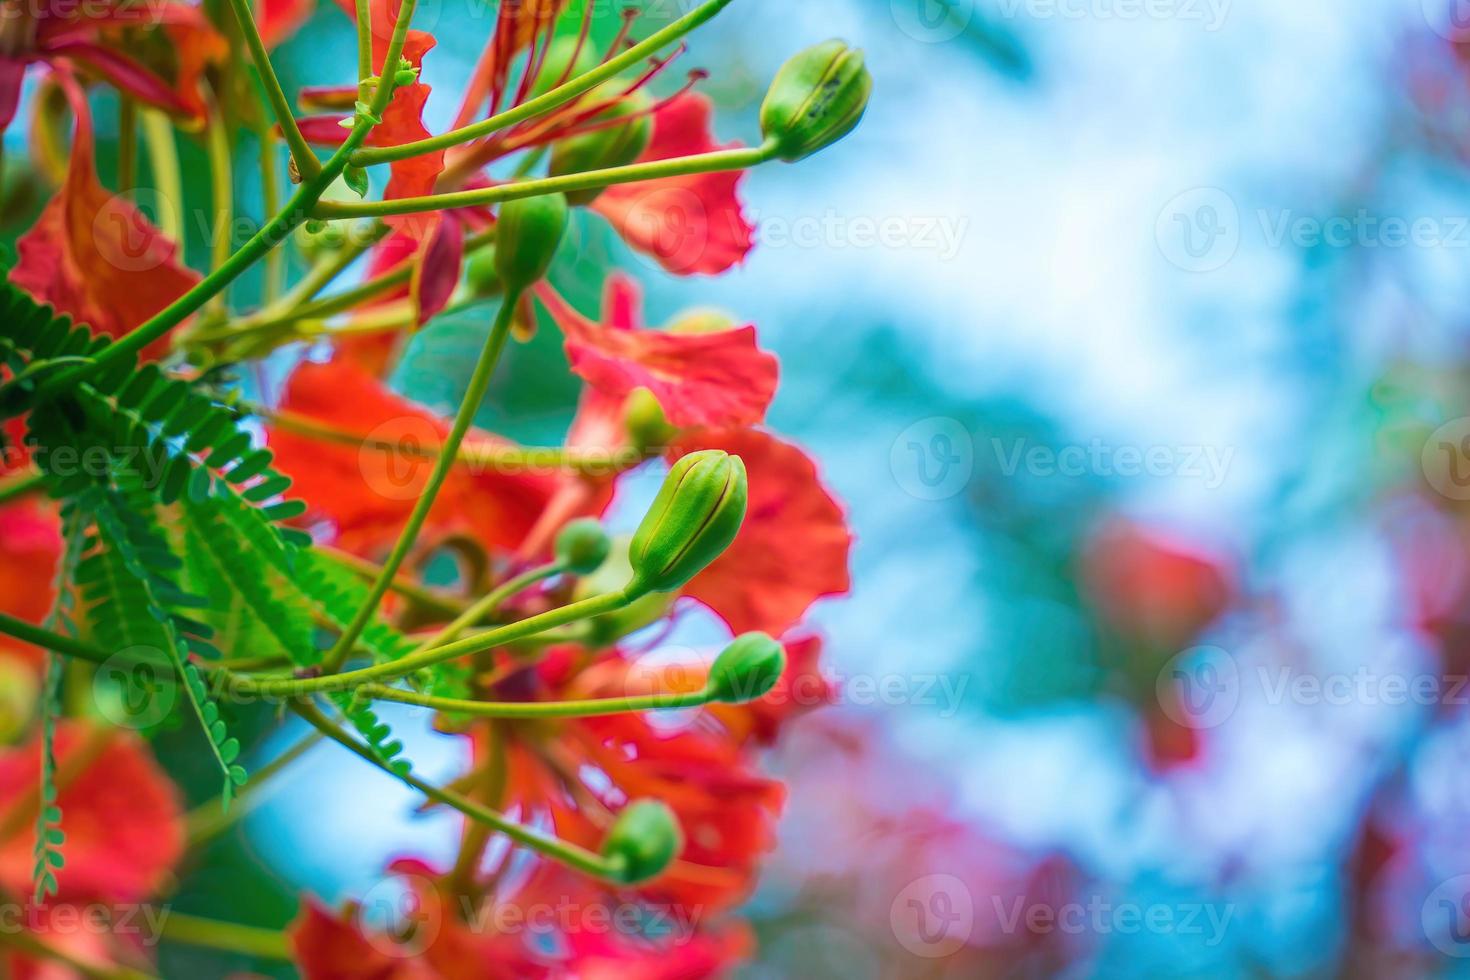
x: 526, y: 238
x: 816, y: 99
x: 405, y: 76
x: 647, y: 425
x: 316, y: 238
x: 582, y: 546
x: 480, y: 274
x: 609, y: 146
x: 695, y: 516
x: 643, y: 841
x: 747, y: 669
x: 564, y: 50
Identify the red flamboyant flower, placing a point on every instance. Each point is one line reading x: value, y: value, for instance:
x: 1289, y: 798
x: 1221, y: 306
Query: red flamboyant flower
x: 791, y: 551
x: 30, y: 547
x: 715, y: 379
x: 691, y: 224
x: 123, y: 817
x: 89, y: 35
x: 366, y: 492
x: 1152, y: 588
x: 92, y: 253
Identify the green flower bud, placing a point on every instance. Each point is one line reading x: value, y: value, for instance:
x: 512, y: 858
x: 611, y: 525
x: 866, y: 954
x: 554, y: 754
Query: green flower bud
x: 747, y: 669
x: 816, y: 99
x: 643, y: 841
x: 609, y: 146
x: 526, y: 238
x: 582, y: 546
x: 563, y: 51
x: 644, y: 419
x: 480, y: 275
x: 693, y: 519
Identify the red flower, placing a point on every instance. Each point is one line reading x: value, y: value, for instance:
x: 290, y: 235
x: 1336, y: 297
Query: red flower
x: 715, y: 379
x: 691, y: 224
x: 1152, y: 588
x: 30, y: 546
x: 368, y: 493
x: 92, y: 254
x: 122, y: 817
x: 791, y: 551
x: 88, y: 35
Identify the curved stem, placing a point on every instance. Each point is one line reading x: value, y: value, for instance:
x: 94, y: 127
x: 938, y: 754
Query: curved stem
x: 307, y: 164
x: 569, y: 854
x: 558, y: 96
x: 474, y: 396
x: 489, y: 639
x: 227, y: 937
x: 20, y: 485
x: 588, y: 708
x: 491, y: 602
x: 701, y: 163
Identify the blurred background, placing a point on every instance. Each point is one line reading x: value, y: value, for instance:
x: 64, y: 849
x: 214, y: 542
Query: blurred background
x: 1133, y: 334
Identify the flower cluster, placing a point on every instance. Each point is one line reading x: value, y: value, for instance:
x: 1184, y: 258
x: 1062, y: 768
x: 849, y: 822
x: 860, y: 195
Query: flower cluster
x: 578, y: 795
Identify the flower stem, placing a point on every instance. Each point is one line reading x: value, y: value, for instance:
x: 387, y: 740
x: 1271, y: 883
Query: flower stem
x: 558, y: 96
x: 489, y: 604
x: 307, y: 164
x: 701, y: 163
x: 163, y: 160
x: 589, y: 708
x: 575, y: 857
x: 479, y: 385
x: 227, y: 937
x: 222, y: 189
x: 489, y: 639
x: 20, y: 485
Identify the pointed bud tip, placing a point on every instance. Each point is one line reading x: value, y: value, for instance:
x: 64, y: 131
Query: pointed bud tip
x: 747, y: 669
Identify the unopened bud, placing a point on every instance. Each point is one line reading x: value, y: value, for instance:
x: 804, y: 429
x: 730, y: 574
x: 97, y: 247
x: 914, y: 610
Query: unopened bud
x: 695, y: 516
x: 816, y: 99
x: 644, y: 419
x: 564, y: 51
x: 643, y: 842
x: 747, y: 669
x: 609, y: 145
x: 582, y: 546
x: 480, y: 275
x: 526, y: 238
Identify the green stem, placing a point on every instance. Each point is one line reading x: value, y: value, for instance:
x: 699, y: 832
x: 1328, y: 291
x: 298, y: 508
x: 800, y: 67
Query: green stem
x: 222, y: 189
x: 589, y: 708
x: 307, y: 164
x: 701, y: 163
x: 29, y: 633
x: 270, y: 196
x: 438, y: 604
x: 163, y: 159
x: 474, y: 396
x: 206, y: 822
x: 558, y: 96
x: 490, y: 603
x: 227, y: 937
x: 575, y: 857
x: 489, y: 639
x: 364, y: 18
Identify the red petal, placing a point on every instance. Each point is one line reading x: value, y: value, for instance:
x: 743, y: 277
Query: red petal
x: 691, y: 224
x: 367, y: 494
x: 436, y: 273
x: 93, y: 254
x: 12, y: 78
x: 701, y: 379
x: 279, y: 19
x: 123, y: 818
x: 30, y: 546
x: 793, y: 548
